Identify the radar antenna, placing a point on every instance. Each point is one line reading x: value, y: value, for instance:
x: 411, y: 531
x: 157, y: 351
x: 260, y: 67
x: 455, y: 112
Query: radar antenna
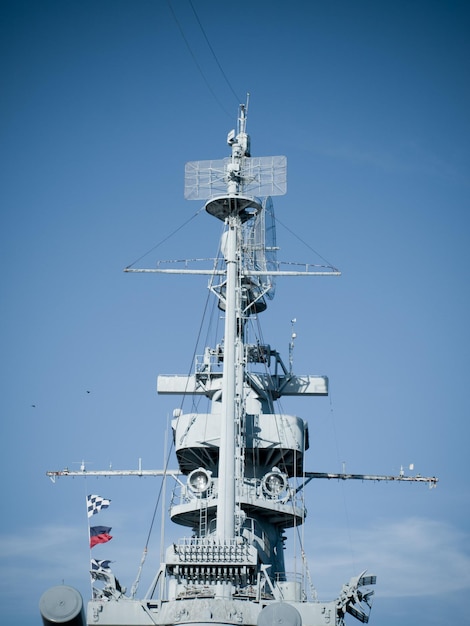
x: 260, y: 251
x: 237, y: 175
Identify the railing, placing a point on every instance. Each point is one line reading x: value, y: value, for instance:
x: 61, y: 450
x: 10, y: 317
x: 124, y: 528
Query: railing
x: 247, y: 492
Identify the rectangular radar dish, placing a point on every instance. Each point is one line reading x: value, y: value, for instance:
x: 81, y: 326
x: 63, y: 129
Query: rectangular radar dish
x: 258, y: 176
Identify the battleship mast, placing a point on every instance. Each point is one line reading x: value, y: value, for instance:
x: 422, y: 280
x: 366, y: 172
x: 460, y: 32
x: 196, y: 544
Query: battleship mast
x: 237, y: 463
x: 233, y: 340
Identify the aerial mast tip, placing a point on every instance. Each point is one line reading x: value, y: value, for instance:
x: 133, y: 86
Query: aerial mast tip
x: 242, y: 143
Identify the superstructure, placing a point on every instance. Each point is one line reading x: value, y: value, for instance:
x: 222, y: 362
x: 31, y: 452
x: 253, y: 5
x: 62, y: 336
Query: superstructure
x: 241, y: 471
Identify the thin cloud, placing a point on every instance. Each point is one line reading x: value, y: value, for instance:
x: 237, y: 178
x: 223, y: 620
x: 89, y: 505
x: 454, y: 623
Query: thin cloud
x: 38, y: 542
x: 412, y: 557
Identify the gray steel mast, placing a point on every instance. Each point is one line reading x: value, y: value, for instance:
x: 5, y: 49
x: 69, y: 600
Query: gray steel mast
x: 230, y: 207
x: 231, y: 570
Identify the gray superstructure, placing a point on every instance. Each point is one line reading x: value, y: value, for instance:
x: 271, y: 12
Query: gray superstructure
x: 241, y: 465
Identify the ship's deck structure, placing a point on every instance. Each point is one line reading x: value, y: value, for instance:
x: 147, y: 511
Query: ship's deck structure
x: 241, y: 471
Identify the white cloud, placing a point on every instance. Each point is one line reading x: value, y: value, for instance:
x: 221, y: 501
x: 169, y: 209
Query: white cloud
x: 412, y: 557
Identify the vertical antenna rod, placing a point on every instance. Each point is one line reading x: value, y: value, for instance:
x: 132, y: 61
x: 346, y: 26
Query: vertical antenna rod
x: 226, y: 500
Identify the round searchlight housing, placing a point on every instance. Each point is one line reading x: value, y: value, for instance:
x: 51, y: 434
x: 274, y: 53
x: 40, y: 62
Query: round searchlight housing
x: 274, y: 483
x: 199, y: 481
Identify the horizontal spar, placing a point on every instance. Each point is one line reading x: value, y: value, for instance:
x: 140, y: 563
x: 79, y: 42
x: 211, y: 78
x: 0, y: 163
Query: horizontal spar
x: 416, y: 479
x: 137, y: 472
x: 223, y: 272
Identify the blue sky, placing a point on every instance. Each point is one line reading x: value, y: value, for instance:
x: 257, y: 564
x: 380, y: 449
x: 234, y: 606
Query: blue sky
x: 102, y: 104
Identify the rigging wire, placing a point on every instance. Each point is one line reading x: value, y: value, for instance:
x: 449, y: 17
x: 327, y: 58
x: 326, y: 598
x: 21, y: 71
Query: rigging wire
x: 345, y: 506
x: 88, y: 524
x: 330, y: 265
x: 201, y: 325
x: 168, y: 456
x: 162, y: 241
x: 213, y: 53
x: 193, y: 56
x: 135, y: 584
x: 296, y: 531
x: 191, y: 365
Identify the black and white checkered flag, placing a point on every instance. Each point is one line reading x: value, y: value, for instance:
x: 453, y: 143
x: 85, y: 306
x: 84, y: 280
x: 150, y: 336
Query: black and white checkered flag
x: 95, y: 504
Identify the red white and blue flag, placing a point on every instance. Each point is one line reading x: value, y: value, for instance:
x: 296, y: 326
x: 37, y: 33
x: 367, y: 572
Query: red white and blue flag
x: 99, y: 534
x: 95, y: 504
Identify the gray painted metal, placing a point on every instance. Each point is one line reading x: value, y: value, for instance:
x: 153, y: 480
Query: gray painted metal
x: 241, y: 464
x: 62, y: 605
